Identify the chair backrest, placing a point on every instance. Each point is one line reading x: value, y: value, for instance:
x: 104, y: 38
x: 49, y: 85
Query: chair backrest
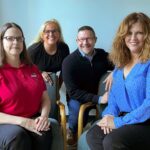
x: 101, y: 91
x: 53, y: 92
x: 101, y: 88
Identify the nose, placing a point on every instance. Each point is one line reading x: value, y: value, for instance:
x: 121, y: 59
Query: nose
x: 133, y: 36
x: 85, y: 40
x: 15, y: 41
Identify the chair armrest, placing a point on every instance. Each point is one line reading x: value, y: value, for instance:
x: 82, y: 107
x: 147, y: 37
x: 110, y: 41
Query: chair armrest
x: 83, y: 107
x: 62, y: 115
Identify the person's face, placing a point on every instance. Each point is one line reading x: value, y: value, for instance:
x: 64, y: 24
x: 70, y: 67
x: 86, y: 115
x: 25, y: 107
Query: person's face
x: 86, y: 41
x: 51, y: 34
x: 134, y: 40
x: 13, y: 42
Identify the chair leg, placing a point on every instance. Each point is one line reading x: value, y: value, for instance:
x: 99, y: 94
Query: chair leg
x: 63, y: 122
x: 83, y: 107
x: 80, y: 120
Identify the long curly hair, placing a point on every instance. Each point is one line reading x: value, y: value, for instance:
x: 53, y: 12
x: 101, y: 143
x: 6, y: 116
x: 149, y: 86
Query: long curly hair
x: 120, y: 54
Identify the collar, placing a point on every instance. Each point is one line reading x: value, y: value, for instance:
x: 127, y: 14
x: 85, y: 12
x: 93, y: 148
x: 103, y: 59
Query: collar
x: 87, y: 56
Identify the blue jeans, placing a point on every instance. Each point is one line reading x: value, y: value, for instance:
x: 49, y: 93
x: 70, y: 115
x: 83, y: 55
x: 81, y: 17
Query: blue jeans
x: 73, y: 107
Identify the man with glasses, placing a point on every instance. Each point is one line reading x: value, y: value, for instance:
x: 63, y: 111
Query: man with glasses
x: 82, y: 71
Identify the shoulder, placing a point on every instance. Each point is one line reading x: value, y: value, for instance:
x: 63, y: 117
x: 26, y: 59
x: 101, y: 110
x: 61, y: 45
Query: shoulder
x: 63, y: 46
x: 35, y: 47
x: 116, y: 71
x: 100, y: 51
x: 71, y: 58
x: 1, y: 75
x: 32, y: 69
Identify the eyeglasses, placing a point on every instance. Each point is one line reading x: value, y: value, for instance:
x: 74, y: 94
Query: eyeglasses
x: 13, y: 38
x: 51, y: 31
x: 89, y: 39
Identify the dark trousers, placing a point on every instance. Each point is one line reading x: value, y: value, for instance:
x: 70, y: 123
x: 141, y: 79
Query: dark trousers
x: 73, y: 107
x: 129, y: 137
x: 13, y: 137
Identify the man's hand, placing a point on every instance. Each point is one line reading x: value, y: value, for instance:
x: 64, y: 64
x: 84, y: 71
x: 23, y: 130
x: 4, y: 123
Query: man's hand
x: 108, y: 82
x: 104, y: 98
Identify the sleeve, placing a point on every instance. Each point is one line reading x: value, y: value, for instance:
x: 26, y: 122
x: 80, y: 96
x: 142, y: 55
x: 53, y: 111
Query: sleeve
x: 65, y: 53
x: 72, y: 87
x: 64, y: 48
x: 109, y: 65
x: 140, y: 114
x: 112, y: 108
x: 32, y: 50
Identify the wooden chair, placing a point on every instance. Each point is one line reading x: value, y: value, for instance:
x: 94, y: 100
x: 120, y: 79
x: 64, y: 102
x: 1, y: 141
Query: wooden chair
x: 83, y: 107
x: 57, y: 107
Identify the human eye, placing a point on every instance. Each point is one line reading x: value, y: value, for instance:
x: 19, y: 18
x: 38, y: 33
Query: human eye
x: 20, y: 39
x: 129, y: 33
x: 12, y: 38
x: 140, y: 33
x: 9, y: 38
x: 46, y: 31
x: 55, y: 30
x: 90, y: 38
x: 81, y: 40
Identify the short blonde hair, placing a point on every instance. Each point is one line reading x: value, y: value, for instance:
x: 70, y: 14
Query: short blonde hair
x: 52, y: 21
x: 120, y: 54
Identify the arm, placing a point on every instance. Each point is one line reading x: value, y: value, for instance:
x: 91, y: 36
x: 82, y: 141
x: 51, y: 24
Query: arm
x: 32, y: 52
x: 112, y: 108
x: 45, y: 106
x: 72, y: 87
x: 26, y: 123
x: 108, y: 81
x: 107, y: 122
x: 64, y: 52
x: 42, y: 121
x: 141, y: 113
x: 10, y: 119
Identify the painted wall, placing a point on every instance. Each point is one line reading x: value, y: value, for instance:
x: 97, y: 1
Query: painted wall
x: 103, y: 15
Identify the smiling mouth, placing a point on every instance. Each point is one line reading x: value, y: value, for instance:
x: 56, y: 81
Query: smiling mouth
x: 134, y: 44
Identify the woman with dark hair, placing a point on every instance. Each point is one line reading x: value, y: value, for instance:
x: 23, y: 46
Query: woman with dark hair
x: 24, y: 102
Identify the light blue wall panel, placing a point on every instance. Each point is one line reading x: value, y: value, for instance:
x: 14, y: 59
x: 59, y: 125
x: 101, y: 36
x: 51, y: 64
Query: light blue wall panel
x: 103, y: 15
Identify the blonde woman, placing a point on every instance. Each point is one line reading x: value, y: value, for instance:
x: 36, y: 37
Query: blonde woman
x: 49, y: 49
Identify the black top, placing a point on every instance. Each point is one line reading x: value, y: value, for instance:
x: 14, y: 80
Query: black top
x: 45, y: 61
x: 82, y: 77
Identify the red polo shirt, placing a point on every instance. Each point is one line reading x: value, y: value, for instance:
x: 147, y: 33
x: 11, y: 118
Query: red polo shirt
x: 21, y: 90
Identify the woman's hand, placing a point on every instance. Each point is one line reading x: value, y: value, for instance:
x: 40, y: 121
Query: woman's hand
x: 47, y: 78
x: 106, y: 130
x: 108, y: 81
x: 29, y: 124
x: 42, y: 123
x: 107, y: 124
